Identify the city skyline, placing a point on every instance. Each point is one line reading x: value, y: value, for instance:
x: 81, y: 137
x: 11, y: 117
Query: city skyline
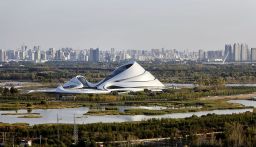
x: 31, y: 46
x: 237, y: 52
x: 145, y: 24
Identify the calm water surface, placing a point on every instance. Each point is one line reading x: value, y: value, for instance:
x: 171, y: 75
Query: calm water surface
x: 67, y: 115
x: 248, y: 103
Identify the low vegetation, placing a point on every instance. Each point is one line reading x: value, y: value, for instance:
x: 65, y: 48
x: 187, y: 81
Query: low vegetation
x: 30, y: 116
x: 231, y: 130
x: 20, y: 113
x: 59, y: 72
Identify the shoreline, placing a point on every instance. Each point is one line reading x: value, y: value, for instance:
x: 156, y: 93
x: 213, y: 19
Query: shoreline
x: 229, y: 97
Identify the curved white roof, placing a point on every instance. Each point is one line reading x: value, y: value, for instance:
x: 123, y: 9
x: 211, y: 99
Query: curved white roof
x: 128, y: 77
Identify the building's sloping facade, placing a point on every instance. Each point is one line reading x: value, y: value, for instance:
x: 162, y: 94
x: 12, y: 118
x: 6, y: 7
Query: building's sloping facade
x: 128, y: 77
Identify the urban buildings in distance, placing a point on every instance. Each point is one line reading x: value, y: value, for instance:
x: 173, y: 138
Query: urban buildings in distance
x: 236, y: 53
x: 231, y: 53
x: 37, y: 55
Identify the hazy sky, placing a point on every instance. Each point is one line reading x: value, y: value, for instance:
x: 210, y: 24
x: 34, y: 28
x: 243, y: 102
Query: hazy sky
x: 138, y: 24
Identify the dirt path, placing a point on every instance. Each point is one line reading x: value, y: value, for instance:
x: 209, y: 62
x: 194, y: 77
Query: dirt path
x: 239, y: 96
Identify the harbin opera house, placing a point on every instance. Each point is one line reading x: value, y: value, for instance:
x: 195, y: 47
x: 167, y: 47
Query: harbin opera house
x: 128, y: 77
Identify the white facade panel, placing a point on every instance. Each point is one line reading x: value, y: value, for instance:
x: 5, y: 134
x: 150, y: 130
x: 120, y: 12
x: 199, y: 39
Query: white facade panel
x: 128, y: 77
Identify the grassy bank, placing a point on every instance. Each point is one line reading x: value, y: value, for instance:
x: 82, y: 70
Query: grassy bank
x: 30, y: 116
x: 176, y: 100
x: 174, y: 106
x: 39, y: 105
x: 180, y: 107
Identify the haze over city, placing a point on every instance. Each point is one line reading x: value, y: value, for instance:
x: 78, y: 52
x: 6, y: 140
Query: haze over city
x: 144, y: 24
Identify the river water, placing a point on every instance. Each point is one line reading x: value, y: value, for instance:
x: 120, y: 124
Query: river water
x: 66, y: 115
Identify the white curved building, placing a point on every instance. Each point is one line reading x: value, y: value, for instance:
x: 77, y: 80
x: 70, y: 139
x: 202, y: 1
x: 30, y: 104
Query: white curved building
x: 128, y: 77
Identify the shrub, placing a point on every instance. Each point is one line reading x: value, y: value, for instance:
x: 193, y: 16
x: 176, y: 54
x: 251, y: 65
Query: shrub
x: 43, y: 103
x: 29, y: 104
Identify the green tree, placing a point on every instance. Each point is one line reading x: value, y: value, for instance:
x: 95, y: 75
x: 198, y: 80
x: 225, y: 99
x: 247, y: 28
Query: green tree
x: 6, y: 91
x: 13, y: 90
x: 1, y: 90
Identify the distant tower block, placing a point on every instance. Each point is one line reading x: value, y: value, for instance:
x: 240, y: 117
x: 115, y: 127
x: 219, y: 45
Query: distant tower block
x: 253, y: 54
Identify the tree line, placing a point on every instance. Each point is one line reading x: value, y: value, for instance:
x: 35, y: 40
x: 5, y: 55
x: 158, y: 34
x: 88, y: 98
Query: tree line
x: 236, y: 130
x: 165, y: 72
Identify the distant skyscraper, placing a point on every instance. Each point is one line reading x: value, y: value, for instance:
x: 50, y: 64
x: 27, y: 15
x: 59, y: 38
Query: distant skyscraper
x: 59, y: 55
x: 112, y: 54
x: 37, y: 53
x: 51, y: 53
x: 17, y: 55
x: 244, y: 52
x: 22, y: 55
x: 23, y: 52
x: 228, y: 53
x: 94, y: 55
x: 37, y: 56
x: 237, y: 52
x: 3, y: 57
x: 31, y: 55
x: 24, y: 48
x: 81, y: 55
x: 73, y: 56
x: 253, y: 54
x: 10, y: 54
x: 201, y: 55
x: 43, y: 56
x: 112, y: 50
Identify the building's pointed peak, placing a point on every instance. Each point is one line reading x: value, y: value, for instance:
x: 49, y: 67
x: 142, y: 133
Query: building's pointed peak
x: 130, y: 62
x: 133, y: 62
